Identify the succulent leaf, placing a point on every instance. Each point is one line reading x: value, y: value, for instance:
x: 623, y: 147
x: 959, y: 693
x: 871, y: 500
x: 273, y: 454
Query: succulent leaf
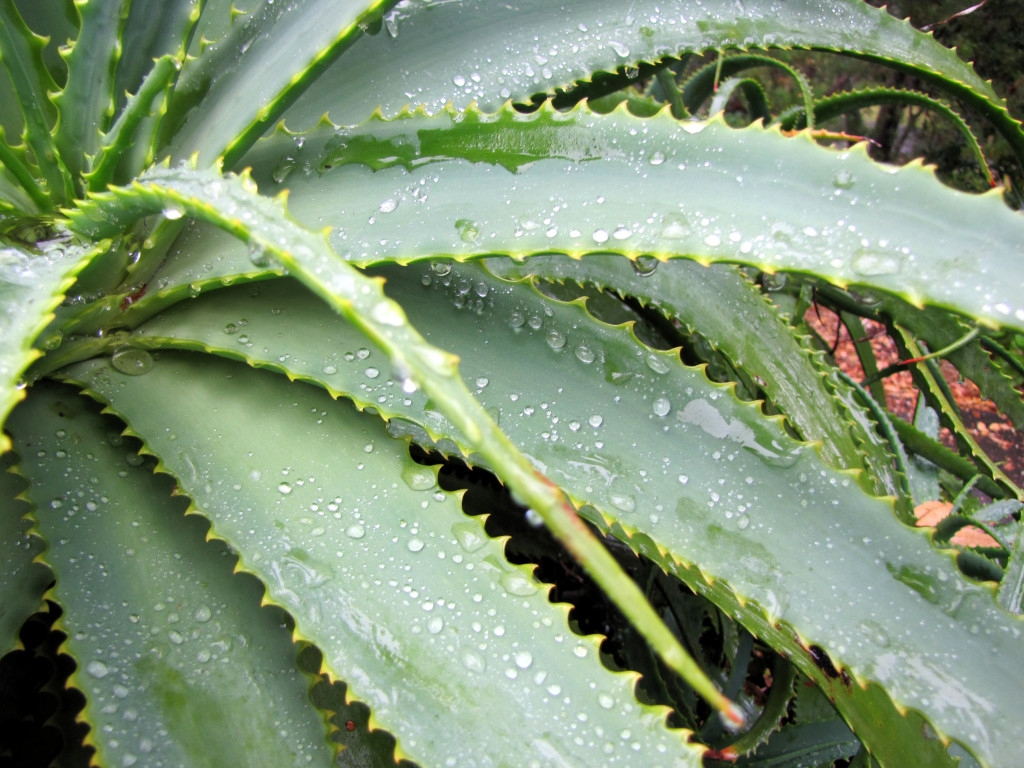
x: 447, y: 625
x: 801, y: 558
x: 543, y: 50
x: 163, y: 631
x: 22, y: 580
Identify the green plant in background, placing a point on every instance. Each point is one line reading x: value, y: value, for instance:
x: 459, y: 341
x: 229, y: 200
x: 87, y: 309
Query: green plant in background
x: 271, y: 265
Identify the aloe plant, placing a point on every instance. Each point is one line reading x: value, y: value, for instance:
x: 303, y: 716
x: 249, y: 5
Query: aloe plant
x: 278, y: 275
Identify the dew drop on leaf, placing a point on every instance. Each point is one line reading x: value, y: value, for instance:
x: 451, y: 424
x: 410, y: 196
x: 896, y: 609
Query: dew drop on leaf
x: 418, y: 478
x: 284, y: 489
x: 661, y: 406
x: 556, y: 339
x: 585, y: 354
x: 132, y: 361
x: 97, y: 669
x: 843, y: 180
x: 645, y: 265
x: 523, y: 659
x: 774, y: 281
x: 355, y: 531
x: 415, y: 544
x: 517, y: 584
x: 872, y: 264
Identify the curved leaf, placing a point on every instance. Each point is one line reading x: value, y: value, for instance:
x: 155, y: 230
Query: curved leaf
x: 232, y: 205
x: 22, y: 580
x: 238, y: 87
x: 174, y: 651
x: 31, y: 287
x: 435, y: 53
x: 411, y: 603
x: 679, y: 469
x: 464, y: 185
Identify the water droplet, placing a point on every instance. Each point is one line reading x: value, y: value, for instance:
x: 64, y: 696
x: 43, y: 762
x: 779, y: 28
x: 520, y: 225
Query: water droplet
x: 473, y: 662
x: 482, y: 381
x: 585, y: 354
x: 600, y: 236
x: 175, y: 637
x: 415, y: 545
x: 843, y: 180
x: 580, y: 651
x: 645, y: 265
x: 441, y: 268
x: 173, y: 213
x: 132, y: 361
x: 774, y: 281
x: 742, y: 522
x: 517, y: 319
x: 435, y: 625
x: 418, y: 478
x: 517, y: 584
x: 556, y: 339
x: 622, y: 501
x: 284, y: 488
x: 523, y: 659
x: 871, y: 264
x: 619, y: 48
x: 389, y: 205
x: 284, y: 169
x: 97, y: 669
x: 657, y: 363
x: 355, y: 531
x: 469, y: 536
x: 330, y: 370
x: 468, y: 230
x: 656, y: 158
x: 203, y: 614
x: 596, y: 420
x: 258, y: 255
x: 662, y: 406
x: 372, y: 373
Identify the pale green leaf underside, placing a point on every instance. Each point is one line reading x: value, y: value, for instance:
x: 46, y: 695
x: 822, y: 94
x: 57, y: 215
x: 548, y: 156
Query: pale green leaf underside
x: 173, y: 650
x: 790, y: 536
x: 469, y: 185
x: 22, y: 582
x: 412, y: 605
x: 31, y: 287
x: 432, y: 53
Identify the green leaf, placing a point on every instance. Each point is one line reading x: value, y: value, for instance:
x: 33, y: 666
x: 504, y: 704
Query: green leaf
x: 489, y: 53
x: 678, y: 469
x: 21, y: 53
x: 153, y: 29
x: 31, y: 287
x: 236, y: 89
x: 734, y: 316
x: 86, y: 102
x: 22, y: 580
x: 411, y: 603
x: 233, y: 205
x: 465, y: 185
x: 174, y: 650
